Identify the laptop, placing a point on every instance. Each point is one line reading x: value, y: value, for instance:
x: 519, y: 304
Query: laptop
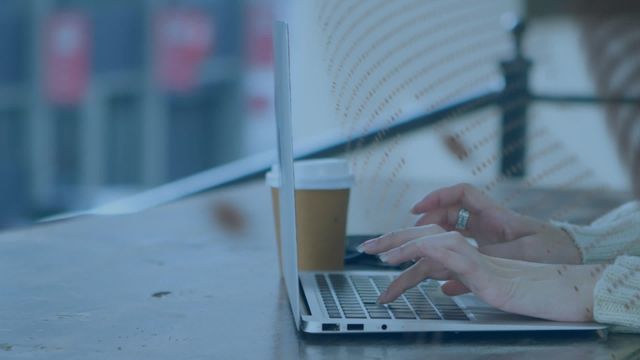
x: 345, y: 301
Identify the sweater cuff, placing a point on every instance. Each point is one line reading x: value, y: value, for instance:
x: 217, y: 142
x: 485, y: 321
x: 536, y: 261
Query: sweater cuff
x: 603, y: 242
x: 589, y: 242
x: 616, y: 296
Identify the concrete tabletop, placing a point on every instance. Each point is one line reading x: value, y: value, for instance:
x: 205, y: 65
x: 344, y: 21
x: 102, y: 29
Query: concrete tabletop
x: 198, y: 279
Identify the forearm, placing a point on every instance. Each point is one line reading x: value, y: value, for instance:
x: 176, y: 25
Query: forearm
x: 568, y: 293
x: 609, y: 294
x: 554, y: 292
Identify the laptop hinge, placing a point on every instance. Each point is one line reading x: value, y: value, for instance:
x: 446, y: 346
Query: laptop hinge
x: 304, y: 309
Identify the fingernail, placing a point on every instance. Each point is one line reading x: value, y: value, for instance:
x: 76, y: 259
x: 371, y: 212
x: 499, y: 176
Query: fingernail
x: 383, y: 257
x: 365, y: 245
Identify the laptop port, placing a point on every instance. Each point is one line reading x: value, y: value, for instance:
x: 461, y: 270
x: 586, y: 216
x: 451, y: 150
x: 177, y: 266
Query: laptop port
x: 355, y: 327
x: 330, y: 327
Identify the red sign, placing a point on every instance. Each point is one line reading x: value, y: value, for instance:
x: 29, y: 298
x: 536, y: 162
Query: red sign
x: 66, y: 57
x: 183, y: 38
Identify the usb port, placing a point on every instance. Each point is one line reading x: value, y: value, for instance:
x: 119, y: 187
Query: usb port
x: 330, y: 327
x: 355, y: 327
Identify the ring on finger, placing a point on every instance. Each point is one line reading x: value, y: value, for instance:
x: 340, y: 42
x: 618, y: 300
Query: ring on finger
x: 463, y: 219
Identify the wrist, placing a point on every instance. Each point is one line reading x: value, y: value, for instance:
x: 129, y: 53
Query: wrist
x: 572, y: 251
x: 591, y: 275
x: 550, y: 245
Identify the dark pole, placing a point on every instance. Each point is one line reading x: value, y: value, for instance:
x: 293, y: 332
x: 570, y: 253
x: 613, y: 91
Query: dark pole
x: 514, y: 104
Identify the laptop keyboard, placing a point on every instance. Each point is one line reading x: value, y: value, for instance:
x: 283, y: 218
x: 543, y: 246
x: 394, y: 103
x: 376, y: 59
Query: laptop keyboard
x: 355, y: 296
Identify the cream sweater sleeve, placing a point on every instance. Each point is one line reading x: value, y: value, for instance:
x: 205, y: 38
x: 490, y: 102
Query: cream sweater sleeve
x: 616, y: 296
x: 616, y: 233
x: 613, y: 238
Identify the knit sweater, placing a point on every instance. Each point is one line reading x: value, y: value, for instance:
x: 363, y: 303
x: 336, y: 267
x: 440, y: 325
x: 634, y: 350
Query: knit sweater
x: 615, y: 239
x: 611, y: 37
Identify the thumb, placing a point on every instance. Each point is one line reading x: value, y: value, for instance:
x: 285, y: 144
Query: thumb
x: 454, y: 288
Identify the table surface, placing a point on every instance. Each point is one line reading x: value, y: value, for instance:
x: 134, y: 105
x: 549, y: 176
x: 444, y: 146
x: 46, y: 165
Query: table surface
x: 198, y: 279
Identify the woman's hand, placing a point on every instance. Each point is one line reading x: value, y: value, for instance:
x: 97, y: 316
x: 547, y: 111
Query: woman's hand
x: 498, y: 231
x: 554, y: 292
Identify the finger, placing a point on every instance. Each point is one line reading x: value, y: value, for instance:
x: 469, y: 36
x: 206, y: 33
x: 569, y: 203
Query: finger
x: 408, y: 279
x: 445, y: 218
x: 454, y: 288
x: 421, y: 247
x: 398, y: 238
x: 459, y: 195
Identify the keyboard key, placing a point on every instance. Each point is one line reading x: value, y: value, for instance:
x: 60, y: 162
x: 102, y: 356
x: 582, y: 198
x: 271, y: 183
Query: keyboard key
x: 428, y: 315
x: 404, y: 314
x: 355, y: 316
x: 379, y: 315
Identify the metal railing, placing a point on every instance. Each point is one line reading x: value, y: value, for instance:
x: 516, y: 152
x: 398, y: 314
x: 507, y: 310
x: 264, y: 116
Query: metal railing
x: 514, y: 99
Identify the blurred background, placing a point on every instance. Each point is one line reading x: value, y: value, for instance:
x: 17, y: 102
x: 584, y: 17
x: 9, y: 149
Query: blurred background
x: 103, y: 99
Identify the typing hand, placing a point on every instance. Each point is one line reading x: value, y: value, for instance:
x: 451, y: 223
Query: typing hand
x: 498, y: 231
x: 554, y: 292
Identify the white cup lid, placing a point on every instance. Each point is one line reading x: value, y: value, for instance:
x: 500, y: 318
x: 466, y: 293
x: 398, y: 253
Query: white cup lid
x: 316, y: 174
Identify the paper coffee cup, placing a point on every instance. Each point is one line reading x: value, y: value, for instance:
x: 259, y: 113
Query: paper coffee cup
x: 322, y: 198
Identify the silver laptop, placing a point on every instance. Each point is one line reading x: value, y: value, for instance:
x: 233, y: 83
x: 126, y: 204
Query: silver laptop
x: 345, y: 302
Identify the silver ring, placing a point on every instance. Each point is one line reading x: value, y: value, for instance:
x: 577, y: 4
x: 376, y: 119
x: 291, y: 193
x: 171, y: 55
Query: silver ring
x: 463, y: 219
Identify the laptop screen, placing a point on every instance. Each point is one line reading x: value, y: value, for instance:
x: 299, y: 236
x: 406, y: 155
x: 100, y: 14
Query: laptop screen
x: 285, y: 159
